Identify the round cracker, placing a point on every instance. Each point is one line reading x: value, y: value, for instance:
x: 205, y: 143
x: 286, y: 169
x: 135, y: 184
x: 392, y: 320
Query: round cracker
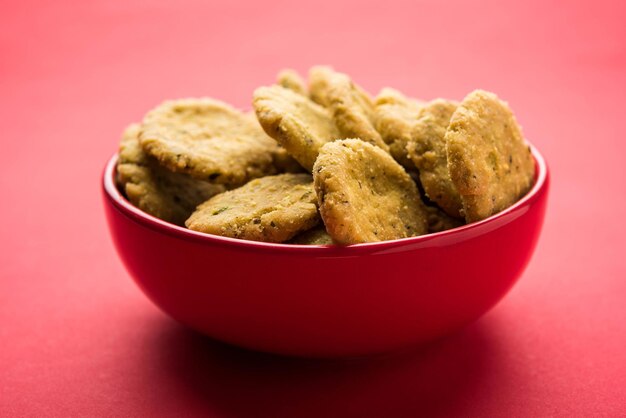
x: 351, y: 106
x: 271, y: 209
x: 209, y: 140
x: 319, y: 84
x: 394, y: 117
x: 489, y: 161
x: 154, y: 189
x: 427, y: 150
x: 365, y: 195
x: 295, y: 122
x: 291, y: 80
x: 353, y: 111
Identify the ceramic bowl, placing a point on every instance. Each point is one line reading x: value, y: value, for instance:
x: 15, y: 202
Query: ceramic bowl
x: 330, y: 301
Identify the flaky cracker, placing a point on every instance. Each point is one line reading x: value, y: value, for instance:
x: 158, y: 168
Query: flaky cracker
x: 427, y: 150
x: 291, y: 80
x: 295, y: 122
x: 154, y: 189
x: 353, y: 111
x: 209, y: 140
x: 394, y: 118
x: 490, y: 163
x: 365, y: 195
x: 271, y: 209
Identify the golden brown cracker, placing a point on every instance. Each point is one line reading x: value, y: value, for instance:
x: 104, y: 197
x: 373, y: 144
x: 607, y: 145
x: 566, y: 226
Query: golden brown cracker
x: 489, y: 161
x: 321, y: 81
x: 353, y: 111
x: 394, y: 117
x: 365, y: 195
x: 314, y: 236
x: 271, y: 209
x: 154, y: 189
x: 388, y: 95
x: 427, y: 150
x: 319, y: 84
x: 291, y: 80
x: 295, y: 122
x: 209, y: 140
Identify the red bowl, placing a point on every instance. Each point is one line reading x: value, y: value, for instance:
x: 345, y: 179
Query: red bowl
x: 327, y: 301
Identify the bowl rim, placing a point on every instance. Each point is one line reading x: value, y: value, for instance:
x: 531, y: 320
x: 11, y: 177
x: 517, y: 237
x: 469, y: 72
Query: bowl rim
x: 113, y: 194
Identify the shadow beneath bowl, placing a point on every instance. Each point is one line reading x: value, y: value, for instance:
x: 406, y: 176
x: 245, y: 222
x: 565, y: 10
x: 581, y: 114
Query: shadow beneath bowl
x: 438, y: 379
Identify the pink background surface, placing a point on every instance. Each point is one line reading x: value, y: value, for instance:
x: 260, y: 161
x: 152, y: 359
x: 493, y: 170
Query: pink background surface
x: 77, y: 338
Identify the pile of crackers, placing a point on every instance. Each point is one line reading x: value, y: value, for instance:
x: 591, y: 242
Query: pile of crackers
x: 325, y: 163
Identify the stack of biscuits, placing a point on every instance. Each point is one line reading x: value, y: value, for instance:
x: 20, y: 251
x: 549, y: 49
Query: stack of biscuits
x: 324, y: 163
